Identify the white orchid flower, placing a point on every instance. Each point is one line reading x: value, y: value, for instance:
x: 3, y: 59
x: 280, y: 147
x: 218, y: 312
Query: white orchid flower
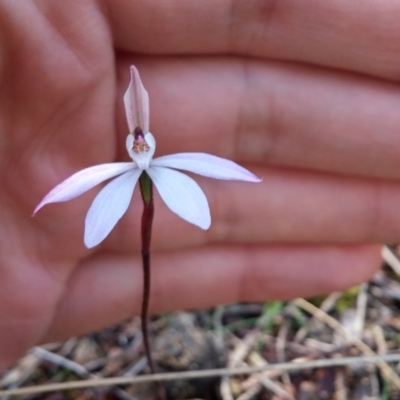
x: 180, y: 193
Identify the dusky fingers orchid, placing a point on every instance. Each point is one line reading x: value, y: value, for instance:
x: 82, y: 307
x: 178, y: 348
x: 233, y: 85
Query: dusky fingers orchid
x: 182, y: 194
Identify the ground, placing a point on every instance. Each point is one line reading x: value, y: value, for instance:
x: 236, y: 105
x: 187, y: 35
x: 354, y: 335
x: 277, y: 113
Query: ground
x: 361, y: 321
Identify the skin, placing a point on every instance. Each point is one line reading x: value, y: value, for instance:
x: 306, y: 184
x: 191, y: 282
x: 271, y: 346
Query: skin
x: 304, y: 94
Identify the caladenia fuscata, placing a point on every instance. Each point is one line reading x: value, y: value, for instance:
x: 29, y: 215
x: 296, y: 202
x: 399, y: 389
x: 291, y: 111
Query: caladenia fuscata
x: 182, y: 194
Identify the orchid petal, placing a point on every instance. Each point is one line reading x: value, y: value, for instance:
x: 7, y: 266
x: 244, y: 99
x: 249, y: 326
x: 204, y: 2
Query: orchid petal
x: 206, y: 165
x: 109, y: 206
x: 83, y: 181
x: 182, y: 195
x: 136, y: 101
x: 142, y: 159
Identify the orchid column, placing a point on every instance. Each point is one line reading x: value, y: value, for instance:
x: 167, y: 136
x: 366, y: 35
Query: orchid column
x: 182, y: 194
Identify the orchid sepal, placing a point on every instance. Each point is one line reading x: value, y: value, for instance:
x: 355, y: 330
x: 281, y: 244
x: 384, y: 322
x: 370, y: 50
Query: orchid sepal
x: 182, y: 195
x: 108, y: 207
x: 206, y: 165
x: 136, y: 101
x: 82, y: 181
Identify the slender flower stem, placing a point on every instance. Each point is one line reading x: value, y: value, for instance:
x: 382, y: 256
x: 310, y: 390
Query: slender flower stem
x: 146, y: 189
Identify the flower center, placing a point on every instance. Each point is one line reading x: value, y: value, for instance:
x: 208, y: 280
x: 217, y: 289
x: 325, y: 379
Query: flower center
x: 139, y: 144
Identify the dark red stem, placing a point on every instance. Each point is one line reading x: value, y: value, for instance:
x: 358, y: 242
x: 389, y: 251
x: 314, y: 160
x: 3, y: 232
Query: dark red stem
x: 146, y: 189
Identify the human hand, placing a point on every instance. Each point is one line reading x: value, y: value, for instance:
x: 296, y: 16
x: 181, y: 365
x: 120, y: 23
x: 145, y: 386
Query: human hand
x: 324, y: 141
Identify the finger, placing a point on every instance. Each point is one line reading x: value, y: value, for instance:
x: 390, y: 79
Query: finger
x: 286, y: 207
x: 193, y: 279
x: 331, y: 33
x: 29, y: 295
x: 272, y: 113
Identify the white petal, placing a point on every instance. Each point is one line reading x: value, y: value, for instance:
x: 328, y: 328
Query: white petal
x: 82, y: 181
x: 109, y: 206
x: 141, y: 159
x: 136, y: 100
x: 206, y: 165
x: 182, y: 195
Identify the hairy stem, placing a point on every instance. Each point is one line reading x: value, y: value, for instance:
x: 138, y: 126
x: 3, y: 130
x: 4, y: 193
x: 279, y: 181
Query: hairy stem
x: 146, y: 189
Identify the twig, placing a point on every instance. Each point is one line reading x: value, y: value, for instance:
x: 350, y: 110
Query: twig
x: 274, y: 387
x: 22, y: 372
x: 321, y: 347
x: 289, y: 366
x: 242, y: 349
x: 379, y: 339
x: 252, y: 380
x: 236, y: 358
x: 251, y: 392
x: 265, y: 378
x: 340, y: 386
x: 280, y: 352
x: 326, y: 305
x: 362, y: 299
x: 385, y: 368
x: 70, y: 365
x: 66, y: 348
x: 225, y: 389
x: 391, y: 259
x: 136, y: 368
x: 61, y: 361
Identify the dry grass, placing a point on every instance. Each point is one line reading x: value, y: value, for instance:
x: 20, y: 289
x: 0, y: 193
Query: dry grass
x: 343, y: 346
